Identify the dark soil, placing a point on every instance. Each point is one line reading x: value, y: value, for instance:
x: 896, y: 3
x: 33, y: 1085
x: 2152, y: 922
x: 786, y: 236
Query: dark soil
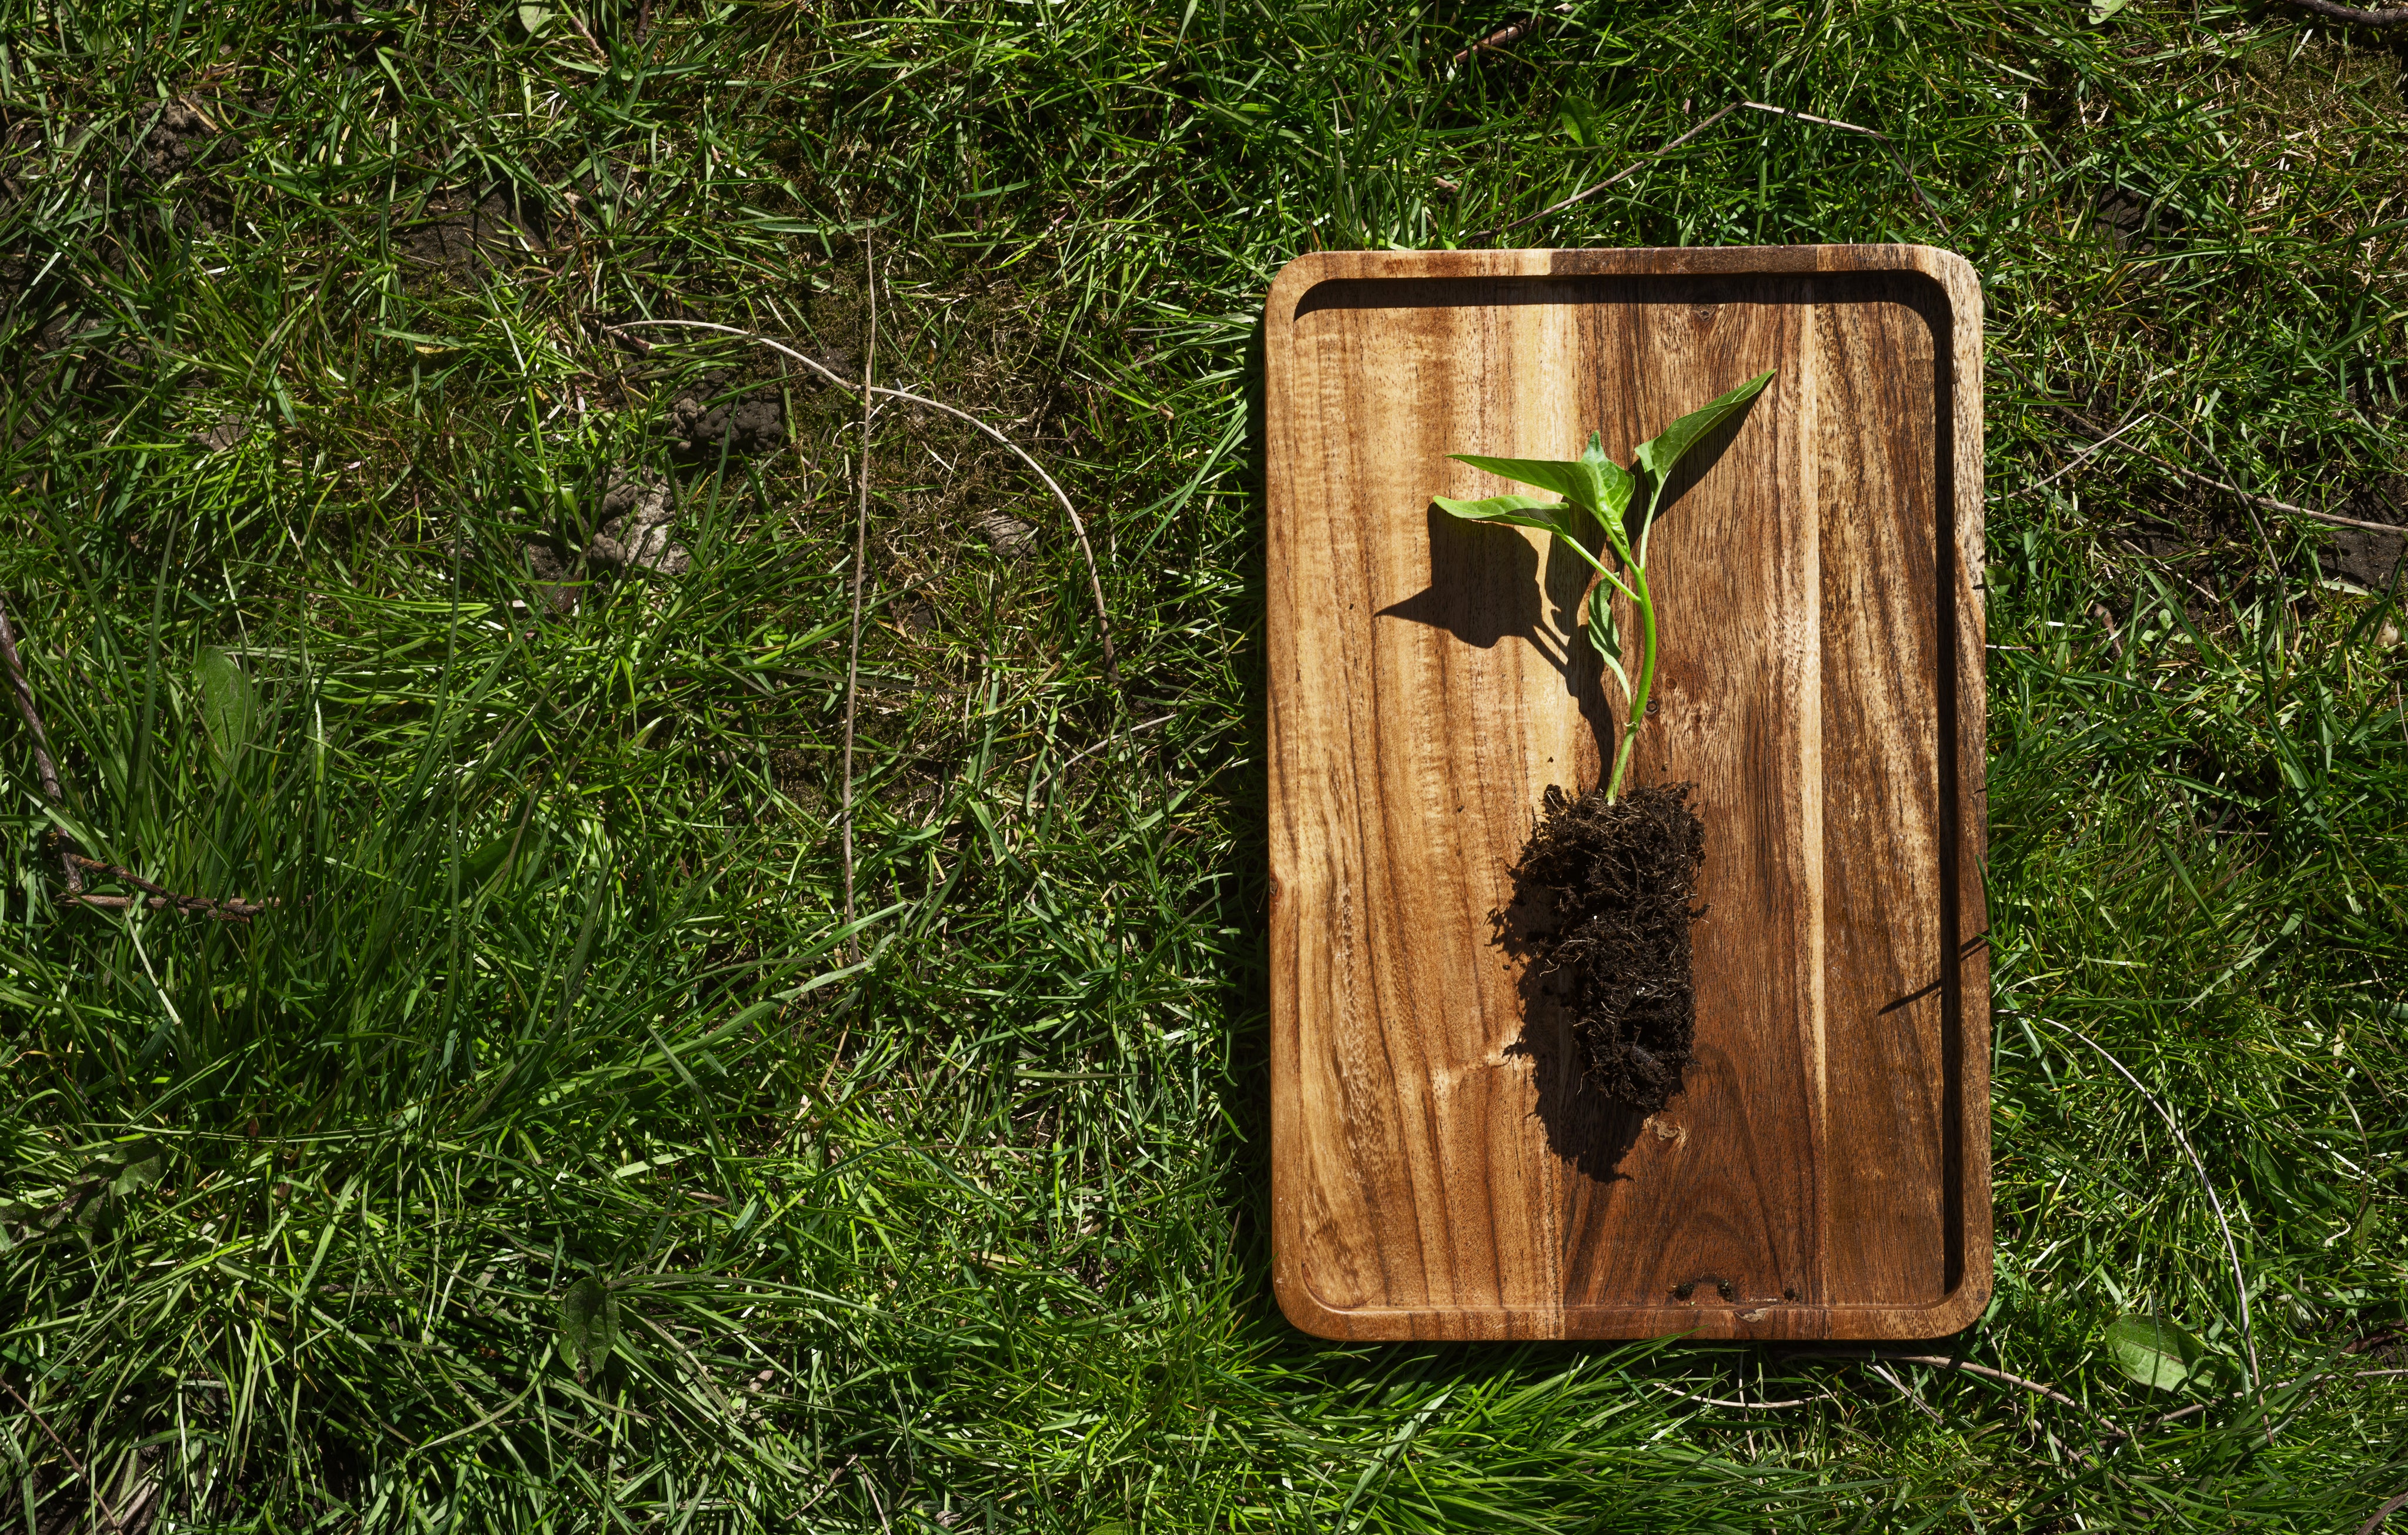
x: 2362, y: 556
x: 462, y: 239
x: 178, y: 159
x: 726, y: 411
x: 1603, y: 903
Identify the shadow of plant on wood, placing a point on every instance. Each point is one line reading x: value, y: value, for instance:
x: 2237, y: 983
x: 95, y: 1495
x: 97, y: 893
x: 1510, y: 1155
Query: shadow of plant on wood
x: 1484, y: 590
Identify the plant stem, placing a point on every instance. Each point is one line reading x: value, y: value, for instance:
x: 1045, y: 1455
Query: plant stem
x: 1646, y: 601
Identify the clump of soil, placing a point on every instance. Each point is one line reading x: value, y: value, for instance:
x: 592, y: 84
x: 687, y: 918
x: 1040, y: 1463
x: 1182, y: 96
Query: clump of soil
x: 1006, y: 534
x: 747, y: 417
x: 636, y: 538
x: 462, y: 238
x: 180, y: 158
x: 1608, y: 891
x: 638, y: 515
x: 2360, y: 555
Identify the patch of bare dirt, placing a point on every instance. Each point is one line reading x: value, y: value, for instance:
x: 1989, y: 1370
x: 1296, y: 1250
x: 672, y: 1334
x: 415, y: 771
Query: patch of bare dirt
x: 462, y: 239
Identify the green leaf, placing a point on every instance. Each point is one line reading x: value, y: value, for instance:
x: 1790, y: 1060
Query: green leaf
x: 1581, y: 122
x: 1605, y: 634
x: 1554, y: 517
x: 228, y: 707
x: 1570, y: 477
x: 2154, y: 1351
x: 1614, y: 482
x: 535, y: 18
x: 589, y: 1325
x: 482, y: 864
x: 137, y: 1174
x: 1658, y: 454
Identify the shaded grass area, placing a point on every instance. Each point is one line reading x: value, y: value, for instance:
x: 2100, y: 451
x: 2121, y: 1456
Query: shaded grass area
x: 320, y: 367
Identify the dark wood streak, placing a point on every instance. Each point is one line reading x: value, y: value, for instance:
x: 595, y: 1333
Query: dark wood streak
x: 1436, y: 1171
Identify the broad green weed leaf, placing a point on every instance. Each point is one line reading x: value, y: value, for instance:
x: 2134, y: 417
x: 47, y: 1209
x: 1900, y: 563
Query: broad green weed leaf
x: 1605, y: 634
x: 1554, y: 517
x: 1660, y: 452
x: 1614, y: 482
x: 535, y: 18
x: 1581, y: 121
x: 1566, y: 477
x: 480, y: 864
x: 2154, y: 1351
x: 228, y: 709
x: 141, y: 1170
x: 589, y: 1325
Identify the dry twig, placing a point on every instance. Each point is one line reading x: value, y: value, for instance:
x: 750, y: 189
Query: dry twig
x: 2075, y: 462
x: 1072, y: 760
x: 860, y: 558
x: 74, y: 863
x: 1077, y: 527
x: 1671, y: 144
x: 108, y: 1513
x: 1631, y: 169
x: 24, y: 692
x: 232, y: 909
x: 1504, y: 37
x: 1908, y: 1392
x: 2266, y: 502
x: 2232, y: 1250
x: 2356, y: 17
x: 2390, y: 1507
x: 1943, y: 1361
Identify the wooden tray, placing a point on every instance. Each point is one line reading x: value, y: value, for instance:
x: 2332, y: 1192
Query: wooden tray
x: 1439, y: 1170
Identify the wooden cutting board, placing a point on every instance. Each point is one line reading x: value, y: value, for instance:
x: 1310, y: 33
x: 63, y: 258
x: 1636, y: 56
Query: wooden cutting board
x: 1438, y: 1169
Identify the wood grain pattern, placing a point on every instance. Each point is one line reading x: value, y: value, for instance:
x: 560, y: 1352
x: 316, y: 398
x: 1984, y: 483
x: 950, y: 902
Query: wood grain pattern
x: 1439, y: 1172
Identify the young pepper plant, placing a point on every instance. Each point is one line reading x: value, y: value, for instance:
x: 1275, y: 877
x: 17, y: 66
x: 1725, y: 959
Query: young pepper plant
x: 1595, y: 485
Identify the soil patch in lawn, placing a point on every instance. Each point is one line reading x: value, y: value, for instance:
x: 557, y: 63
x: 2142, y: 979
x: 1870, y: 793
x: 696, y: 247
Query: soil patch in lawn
x: 178, y: 159
x: 741, y: 411
x: 459, y: 238
x: 1603, y: 898
x: 2360, y: 555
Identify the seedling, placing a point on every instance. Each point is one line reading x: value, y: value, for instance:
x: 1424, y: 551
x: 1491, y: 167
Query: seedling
x: 1593, y: 486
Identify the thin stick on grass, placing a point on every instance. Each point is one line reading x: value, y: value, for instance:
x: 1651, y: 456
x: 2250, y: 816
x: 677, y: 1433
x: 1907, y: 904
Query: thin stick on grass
x: 2197, y: 1407
x: 102, y: 1503
x: 1629, y: 170
x: 2232, y: 1249
x: 1943, y: 1361
x: 2074, y: 463
x: 1504, y: 37
x: 74, y: 863
x: 2265, y: 502
x: 1743, y: 1405
x: 1908, y: 1392
x: 1073, y: 759
x: 2390, y: 1506
x: 44, y: 764
x: 25, y: 692
x: 860, y: 558
x: 2356, y: 17
x: 1078, y: 526
x: 1671, y: 144
x: 232, y: 909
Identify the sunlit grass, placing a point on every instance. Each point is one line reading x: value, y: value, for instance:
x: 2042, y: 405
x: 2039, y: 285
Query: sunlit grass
x: 956, y: 1221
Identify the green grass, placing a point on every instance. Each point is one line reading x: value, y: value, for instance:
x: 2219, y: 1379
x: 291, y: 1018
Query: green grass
x: 968, y: 1232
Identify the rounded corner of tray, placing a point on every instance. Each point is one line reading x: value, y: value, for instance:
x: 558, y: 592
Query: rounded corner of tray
x: 1956, y: 276
x: 1946, y: 1317
x: 1300, y: 276
x: 1305, y: 1311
